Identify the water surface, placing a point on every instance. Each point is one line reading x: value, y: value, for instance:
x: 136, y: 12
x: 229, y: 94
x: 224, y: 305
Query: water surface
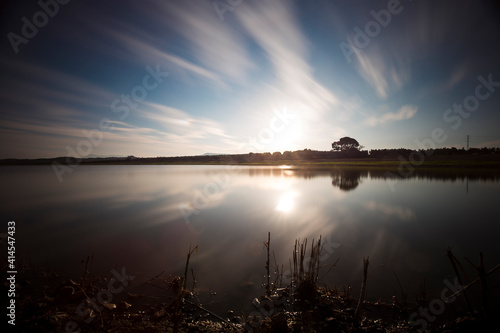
x: 145, y: 218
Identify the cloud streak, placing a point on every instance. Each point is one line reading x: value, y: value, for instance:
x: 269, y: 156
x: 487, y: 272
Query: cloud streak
x: 384, y: 73
x: 226, y: 78
x: 274, y: 27
x: 404, y: 113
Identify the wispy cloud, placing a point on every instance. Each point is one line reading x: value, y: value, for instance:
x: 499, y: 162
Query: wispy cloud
x: 182, y: 123
x: 276, y: 30
x: 227, y: 78
x: 44, y: 110
x: 424, y: 31
x: 218, y: 46
x: 34, y: 86
x: 152, y: 53
x: 385, y: 73
x: 210, y: 49
x: 404, y: 113
x: 456, y: 76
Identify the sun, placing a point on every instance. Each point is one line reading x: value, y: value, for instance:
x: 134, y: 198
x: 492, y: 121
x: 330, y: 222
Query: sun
x: 289, y: 137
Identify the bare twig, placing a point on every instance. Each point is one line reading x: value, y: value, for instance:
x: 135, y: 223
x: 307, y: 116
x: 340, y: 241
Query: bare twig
x: 267, y: 246
x: 363, y: 286
x: 484, y: 286
x: 453, y: 262
x: 190, y: 252
x: 91, y: 262
x: 194, y: 280
x: 303, y: 248
x: 421, y: 296
x: 473, y: 282
x: 155, y: 277
x: 85, y: 271
x: 211, y: 313
x: 331, y: 267
x: 318, y: 253
x: 278, y: 277
x: 403, y: 294
x: 482, y: 277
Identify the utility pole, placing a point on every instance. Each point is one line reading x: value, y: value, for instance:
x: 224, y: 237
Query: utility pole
x: 467, y: 142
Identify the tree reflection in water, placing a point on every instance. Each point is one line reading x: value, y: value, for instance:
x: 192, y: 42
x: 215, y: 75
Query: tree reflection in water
x: 346, y: 180
x: 349, y: 178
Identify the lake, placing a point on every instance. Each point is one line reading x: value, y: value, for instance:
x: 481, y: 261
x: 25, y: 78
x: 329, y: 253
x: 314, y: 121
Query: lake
x: 145, y: 218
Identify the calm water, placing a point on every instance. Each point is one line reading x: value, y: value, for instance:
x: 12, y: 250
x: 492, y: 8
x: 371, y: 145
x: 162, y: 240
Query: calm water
x: 144, y: 218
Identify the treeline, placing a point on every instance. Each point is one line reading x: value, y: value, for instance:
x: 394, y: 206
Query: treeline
x: 305, y: 155
x: 377, y: 153
x: 394, y: 153
x: 298, y: 155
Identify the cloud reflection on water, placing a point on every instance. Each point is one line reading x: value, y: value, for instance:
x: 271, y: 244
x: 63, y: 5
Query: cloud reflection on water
x: 128, y: 215
x: 401, y: 213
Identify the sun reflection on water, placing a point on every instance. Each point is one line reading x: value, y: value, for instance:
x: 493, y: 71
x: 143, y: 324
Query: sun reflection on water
x: 286, y: 202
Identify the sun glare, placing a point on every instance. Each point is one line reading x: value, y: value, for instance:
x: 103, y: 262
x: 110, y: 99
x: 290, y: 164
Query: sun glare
x: 286, y: 202
x: 287, y: 134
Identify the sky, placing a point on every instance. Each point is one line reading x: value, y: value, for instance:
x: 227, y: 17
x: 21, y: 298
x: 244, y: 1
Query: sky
x: 173, y: 78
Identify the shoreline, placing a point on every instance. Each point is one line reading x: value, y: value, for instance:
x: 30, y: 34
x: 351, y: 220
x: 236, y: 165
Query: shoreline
x: 430, y: 163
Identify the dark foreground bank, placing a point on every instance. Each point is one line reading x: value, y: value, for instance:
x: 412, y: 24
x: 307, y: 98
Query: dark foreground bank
x: 47, y: 301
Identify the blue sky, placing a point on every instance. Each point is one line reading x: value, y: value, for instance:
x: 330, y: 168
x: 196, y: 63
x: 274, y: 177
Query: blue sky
x: 170, y: 78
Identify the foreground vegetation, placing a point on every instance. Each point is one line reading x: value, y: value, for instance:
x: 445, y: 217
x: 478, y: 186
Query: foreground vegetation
x: 291, y: 301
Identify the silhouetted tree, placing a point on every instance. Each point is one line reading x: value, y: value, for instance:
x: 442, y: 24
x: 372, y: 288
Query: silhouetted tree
x: 345, y: 144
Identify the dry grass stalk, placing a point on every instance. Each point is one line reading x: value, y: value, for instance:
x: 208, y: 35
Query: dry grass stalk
x: 453, y: 262
x: 190, y: 252
x: 482, y: 278
x: 363, y: 286
x: 404, y: 295
x: 278, y: 275
x: 300, y: 273
x: 267, y: 245
x: 421, y: 295
x: 87, y: 270
x: 484, y: 286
